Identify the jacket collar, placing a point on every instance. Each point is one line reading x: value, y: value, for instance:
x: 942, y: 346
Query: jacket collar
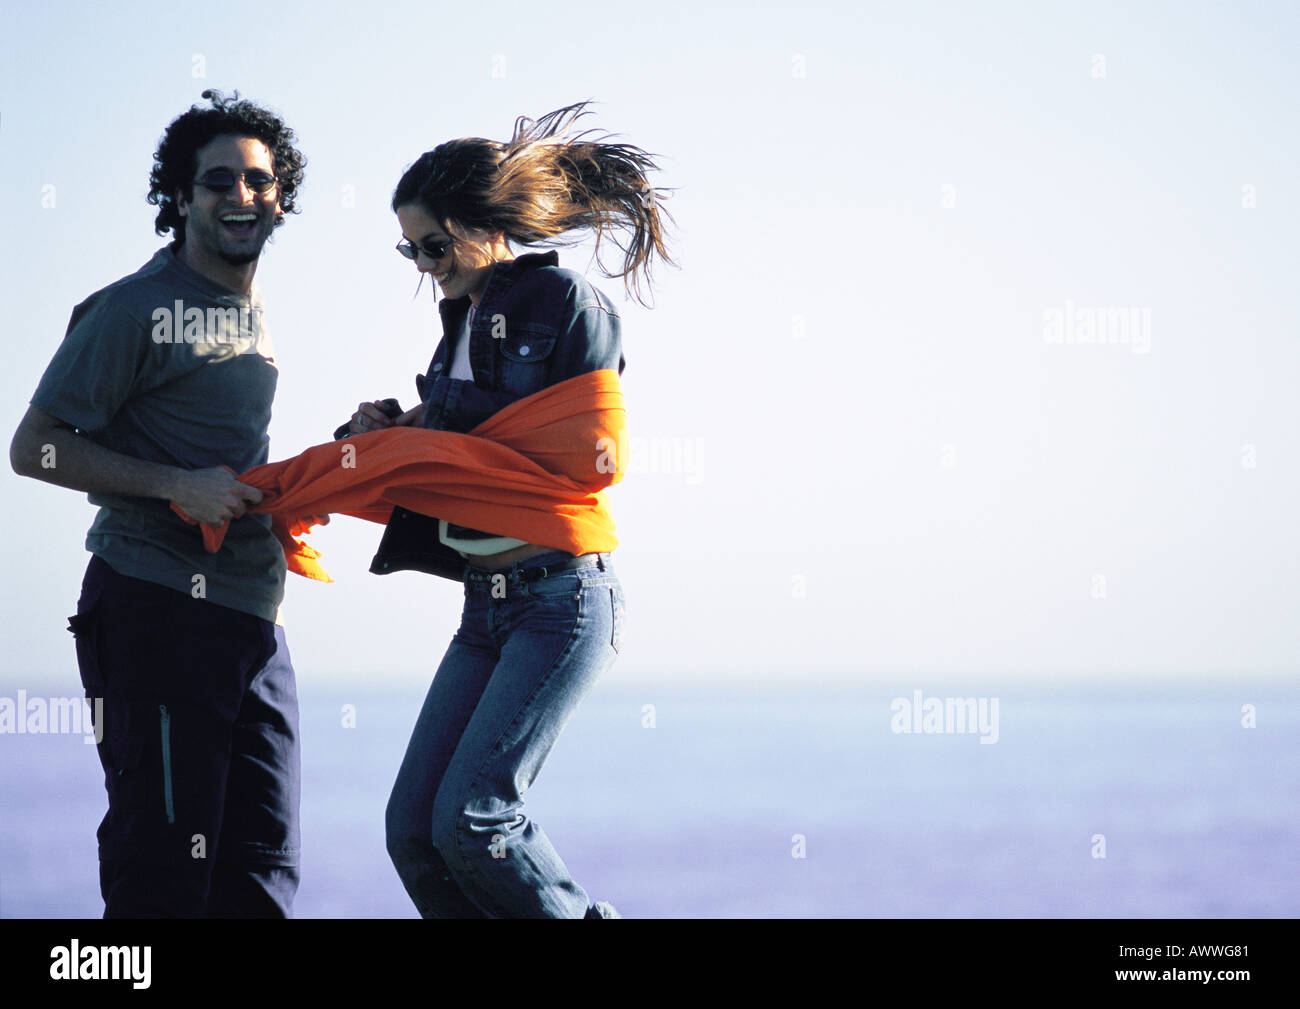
x: 500, y: 279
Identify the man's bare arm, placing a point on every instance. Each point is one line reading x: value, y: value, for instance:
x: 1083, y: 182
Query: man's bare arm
x: 45, y: 448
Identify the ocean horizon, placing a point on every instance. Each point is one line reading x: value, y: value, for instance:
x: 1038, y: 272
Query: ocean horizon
x: 1143, y: 800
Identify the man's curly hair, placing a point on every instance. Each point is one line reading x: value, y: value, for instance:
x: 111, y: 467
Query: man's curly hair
x: 177, y: 157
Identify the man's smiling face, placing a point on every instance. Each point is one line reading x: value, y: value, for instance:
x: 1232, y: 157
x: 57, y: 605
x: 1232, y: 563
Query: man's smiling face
x: 230, y: 227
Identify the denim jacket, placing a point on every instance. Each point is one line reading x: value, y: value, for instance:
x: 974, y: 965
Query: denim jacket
x: 537, y: 324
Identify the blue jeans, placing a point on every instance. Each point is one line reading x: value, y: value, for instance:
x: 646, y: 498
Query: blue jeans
x: 528, y: 650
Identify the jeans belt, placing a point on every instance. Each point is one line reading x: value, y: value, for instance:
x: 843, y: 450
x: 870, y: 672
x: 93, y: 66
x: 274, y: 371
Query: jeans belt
x: 529, y: 575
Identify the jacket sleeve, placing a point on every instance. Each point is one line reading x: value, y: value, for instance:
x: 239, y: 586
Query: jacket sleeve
x: 591, y: 335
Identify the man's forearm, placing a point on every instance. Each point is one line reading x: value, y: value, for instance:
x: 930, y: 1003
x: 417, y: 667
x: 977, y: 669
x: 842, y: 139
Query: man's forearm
x: 47, y: 449
x: 59, y: 455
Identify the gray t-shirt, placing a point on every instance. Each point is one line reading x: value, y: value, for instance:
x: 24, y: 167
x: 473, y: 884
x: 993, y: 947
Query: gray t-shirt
x: 167, y: 366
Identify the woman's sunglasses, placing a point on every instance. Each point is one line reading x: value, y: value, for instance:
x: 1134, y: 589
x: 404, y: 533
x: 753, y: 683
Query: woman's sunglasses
x: 222, y: 180
x: 434, y: 250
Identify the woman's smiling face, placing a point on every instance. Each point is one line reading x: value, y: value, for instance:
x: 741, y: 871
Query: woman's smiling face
x: 467, y: 258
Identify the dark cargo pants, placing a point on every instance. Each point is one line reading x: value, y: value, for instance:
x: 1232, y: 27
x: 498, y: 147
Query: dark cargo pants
x: 199, y: 748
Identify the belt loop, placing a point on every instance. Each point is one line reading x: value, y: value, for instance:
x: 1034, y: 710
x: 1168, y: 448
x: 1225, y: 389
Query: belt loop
x: 600, y: 561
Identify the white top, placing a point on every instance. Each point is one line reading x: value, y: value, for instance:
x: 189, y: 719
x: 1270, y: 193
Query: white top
x: 460, y: 368
x: 460, y: 363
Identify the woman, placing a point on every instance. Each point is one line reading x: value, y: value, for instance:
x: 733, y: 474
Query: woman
x: 539, y: 625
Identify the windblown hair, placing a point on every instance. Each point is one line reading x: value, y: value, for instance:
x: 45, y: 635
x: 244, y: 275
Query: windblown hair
x: 545, y: 182
x: 177, y: 158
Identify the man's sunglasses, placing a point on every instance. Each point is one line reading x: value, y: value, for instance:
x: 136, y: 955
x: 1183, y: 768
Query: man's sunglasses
x: 222, y: 180
x: 434, y: 250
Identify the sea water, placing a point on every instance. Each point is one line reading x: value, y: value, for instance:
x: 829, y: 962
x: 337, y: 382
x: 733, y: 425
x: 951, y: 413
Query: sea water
x: 1119, y: 800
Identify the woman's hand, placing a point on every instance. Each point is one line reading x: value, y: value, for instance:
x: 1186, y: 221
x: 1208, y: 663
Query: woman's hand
x: 372, y: 417
x: 411, y: 418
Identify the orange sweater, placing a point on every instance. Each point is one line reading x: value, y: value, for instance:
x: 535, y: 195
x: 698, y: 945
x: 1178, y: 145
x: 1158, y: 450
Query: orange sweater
x: 536, y: 470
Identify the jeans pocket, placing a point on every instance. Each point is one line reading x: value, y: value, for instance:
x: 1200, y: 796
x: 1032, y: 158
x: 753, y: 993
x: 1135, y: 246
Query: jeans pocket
x: 562, y: 586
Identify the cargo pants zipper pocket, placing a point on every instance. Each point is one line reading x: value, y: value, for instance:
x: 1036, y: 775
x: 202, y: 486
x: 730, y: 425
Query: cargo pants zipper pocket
x: 167, y: 762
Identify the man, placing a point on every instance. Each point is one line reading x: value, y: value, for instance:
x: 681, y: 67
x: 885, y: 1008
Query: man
x: 163, y: 380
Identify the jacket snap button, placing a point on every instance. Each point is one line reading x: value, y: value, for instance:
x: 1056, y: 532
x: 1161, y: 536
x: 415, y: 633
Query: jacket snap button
x: 524, y: 350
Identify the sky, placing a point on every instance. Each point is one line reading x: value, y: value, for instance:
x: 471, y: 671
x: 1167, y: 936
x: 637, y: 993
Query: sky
x: 873, y: 435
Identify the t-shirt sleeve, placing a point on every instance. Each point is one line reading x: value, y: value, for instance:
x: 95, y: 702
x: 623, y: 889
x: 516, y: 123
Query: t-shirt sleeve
x: 97, y: 368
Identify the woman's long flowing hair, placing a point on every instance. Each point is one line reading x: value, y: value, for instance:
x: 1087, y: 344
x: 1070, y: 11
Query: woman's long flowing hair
x: 546, y: 182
